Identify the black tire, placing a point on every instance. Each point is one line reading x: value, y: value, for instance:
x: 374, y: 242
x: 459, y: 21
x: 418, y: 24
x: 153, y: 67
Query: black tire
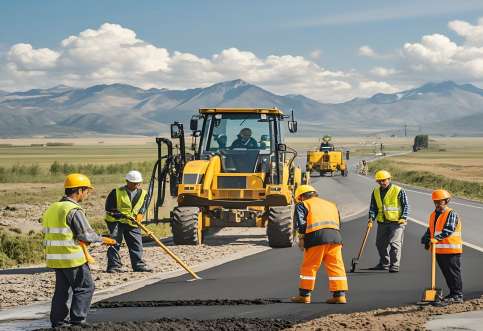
x: 184, y: 226
x: 280, y: 227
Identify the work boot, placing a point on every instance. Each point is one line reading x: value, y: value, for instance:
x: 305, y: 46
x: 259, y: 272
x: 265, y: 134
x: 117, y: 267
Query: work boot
x: 379, y: 267
x: 453, y: 299
x: 337, y: 300
x: 301, y: 299
x: 393, y: 270
x: 143, y: 268
x: 114, y: 270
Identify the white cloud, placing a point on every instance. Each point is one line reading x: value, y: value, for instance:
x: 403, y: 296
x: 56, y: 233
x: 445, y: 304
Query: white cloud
x: 114, y: 54
x: 367, y: 51
x: 383, y: 72
x: 437, y: 57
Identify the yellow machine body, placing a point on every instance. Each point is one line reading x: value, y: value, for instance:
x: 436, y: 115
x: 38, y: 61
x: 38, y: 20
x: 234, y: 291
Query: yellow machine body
x: 327, y: 162
x: 225, y: 196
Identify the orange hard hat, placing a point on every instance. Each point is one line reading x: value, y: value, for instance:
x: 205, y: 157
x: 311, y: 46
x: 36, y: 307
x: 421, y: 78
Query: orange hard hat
x: 440, y: 195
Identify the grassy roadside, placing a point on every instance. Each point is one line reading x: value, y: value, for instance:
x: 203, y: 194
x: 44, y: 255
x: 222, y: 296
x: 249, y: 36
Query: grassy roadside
x: 403, y: 174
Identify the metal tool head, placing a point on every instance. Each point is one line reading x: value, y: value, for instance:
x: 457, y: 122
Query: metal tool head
x: 432, y: 295
x: 355, y: 262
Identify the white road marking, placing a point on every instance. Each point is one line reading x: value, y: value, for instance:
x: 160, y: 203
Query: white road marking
x: 475, y: 247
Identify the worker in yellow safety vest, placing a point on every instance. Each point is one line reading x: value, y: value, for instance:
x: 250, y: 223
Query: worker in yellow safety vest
x: 444, y: 231
x: 64, y: 226
x: 122, y: 204
x: 390, y: 208
x: 317, y: 222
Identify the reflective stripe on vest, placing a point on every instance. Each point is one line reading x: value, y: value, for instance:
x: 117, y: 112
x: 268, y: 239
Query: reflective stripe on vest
x: 453, y: 244
x: 321, y: 214
x: 390, y: 208
x: 59, y: 243
x: 61, y: 250
x: 124, y: 206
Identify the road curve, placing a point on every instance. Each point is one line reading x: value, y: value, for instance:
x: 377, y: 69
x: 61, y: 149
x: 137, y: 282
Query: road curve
x: 273, y: 274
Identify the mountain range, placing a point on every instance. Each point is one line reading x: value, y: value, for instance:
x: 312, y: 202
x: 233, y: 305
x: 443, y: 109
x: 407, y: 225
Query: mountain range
x: 438, y: 108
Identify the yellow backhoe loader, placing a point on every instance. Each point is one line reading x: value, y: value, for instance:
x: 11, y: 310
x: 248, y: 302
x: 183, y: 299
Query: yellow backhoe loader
x: 241, y: 174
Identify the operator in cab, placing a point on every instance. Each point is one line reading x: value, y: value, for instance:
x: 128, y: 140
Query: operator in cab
x: 244, y: 140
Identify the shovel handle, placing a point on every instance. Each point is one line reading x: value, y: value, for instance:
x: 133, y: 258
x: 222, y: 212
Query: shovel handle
x: 433, y: 266
x: 364, y: 240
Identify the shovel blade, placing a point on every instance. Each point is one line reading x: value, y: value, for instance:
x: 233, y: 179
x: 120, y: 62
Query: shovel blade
x: 354, y: 264
x: 432, y: 295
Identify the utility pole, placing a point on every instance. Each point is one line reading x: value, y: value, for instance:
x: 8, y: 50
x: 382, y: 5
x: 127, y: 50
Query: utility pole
x: 405, y: 130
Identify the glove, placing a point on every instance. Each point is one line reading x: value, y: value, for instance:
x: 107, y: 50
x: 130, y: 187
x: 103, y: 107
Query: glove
x: 434, y: 241
x: 301, y: 244
x: 370, y: 223
x: 402, y: 221
x: 108, y: 241
x: 139, y: 217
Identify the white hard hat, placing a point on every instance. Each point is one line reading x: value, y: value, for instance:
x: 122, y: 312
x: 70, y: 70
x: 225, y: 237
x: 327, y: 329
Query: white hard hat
x: 134, y: 176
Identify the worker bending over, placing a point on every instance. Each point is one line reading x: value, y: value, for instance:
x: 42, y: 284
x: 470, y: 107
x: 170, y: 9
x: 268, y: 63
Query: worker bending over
x: 444, y: 231
x: 390, y: 207
x: 318, y: 224
x: 64, y: 225
x: 122, y: 204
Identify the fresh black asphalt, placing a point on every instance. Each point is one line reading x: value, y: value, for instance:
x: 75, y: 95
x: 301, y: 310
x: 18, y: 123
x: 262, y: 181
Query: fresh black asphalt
x: 273, y: 274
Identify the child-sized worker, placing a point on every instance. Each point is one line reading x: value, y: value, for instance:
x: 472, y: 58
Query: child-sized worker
x: 444, y: 231
x: 318, y: 224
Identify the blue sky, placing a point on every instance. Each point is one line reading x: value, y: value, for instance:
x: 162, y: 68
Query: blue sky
x: 328, y: 33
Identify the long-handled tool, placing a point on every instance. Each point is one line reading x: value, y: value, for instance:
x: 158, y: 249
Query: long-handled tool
x: 355, y: 261
x: 432, y: 294
x: 166, y: 249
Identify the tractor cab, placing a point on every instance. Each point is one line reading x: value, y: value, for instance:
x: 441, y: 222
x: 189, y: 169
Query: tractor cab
x: 245, y: 141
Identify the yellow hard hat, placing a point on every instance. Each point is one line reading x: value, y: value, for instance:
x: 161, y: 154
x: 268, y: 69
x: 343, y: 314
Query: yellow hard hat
x: 382, y: 174
x: 77, y: 180
x: 440, y: 195
x: 303, y: 189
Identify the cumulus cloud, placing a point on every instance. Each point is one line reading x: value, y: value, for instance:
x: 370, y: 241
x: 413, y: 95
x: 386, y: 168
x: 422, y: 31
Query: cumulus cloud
x: 367, y: 51
x: 115, y: 54
x: 439, y: 57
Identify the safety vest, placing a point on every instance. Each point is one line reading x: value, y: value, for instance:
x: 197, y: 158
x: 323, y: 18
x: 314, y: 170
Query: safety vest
x: 322, y: 214
x: 390, y: 208
x: 61, y: 248
x: 453, y: 244
x: 124, y: 206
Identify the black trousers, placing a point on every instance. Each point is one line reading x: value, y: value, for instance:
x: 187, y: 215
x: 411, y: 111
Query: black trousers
x: 450, y: 265
x: 77, y: 281
x: 133, y: 237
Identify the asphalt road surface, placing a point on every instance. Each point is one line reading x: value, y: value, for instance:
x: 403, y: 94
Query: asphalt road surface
x: 273, y: 274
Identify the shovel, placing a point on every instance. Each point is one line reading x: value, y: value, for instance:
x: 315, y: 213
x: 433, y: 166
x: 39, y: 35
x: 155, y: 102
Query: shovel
x: 432, y: 294
x: 355, y: 261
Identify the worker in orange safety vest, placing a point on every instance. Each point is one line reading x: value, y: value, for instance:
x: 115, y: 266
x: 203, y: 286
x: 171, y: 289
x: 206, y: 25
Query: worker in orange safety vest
x: 444, y: 231
x: 318, y: 225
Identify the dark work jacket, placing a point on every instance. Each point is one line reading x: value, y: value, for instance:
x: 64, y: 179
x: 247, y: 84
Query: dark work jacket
x: 319, y: 237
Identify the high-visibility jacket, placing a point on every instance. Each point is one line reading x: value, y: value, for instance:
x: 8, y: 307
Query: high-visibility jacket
x: 61, y: 248
x: 124, y: 205
x: 388, y: 209
x: 453, y: 244
x: 322, y: 214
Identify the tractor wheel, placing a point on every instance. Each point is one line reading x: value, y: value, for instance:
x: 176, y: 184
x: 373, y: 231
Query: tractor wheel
x: 280, y: 227
x: 184, y: 226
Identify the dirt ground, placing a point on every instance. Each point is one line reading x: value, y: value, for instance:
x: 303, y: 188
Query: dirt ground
x: 22, y: 289
x: 407, y: 318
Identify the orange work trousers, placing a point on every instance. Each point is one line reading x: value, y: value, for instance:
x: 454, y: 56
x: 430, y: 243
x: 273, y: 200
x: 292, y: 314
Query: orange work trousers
x: 331, y: 256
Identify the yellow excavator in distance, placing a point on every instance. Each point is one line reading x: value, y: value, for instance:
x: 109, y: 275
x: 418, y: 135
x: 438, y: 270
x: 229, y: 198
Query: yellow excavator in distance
x: 241, y: 173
